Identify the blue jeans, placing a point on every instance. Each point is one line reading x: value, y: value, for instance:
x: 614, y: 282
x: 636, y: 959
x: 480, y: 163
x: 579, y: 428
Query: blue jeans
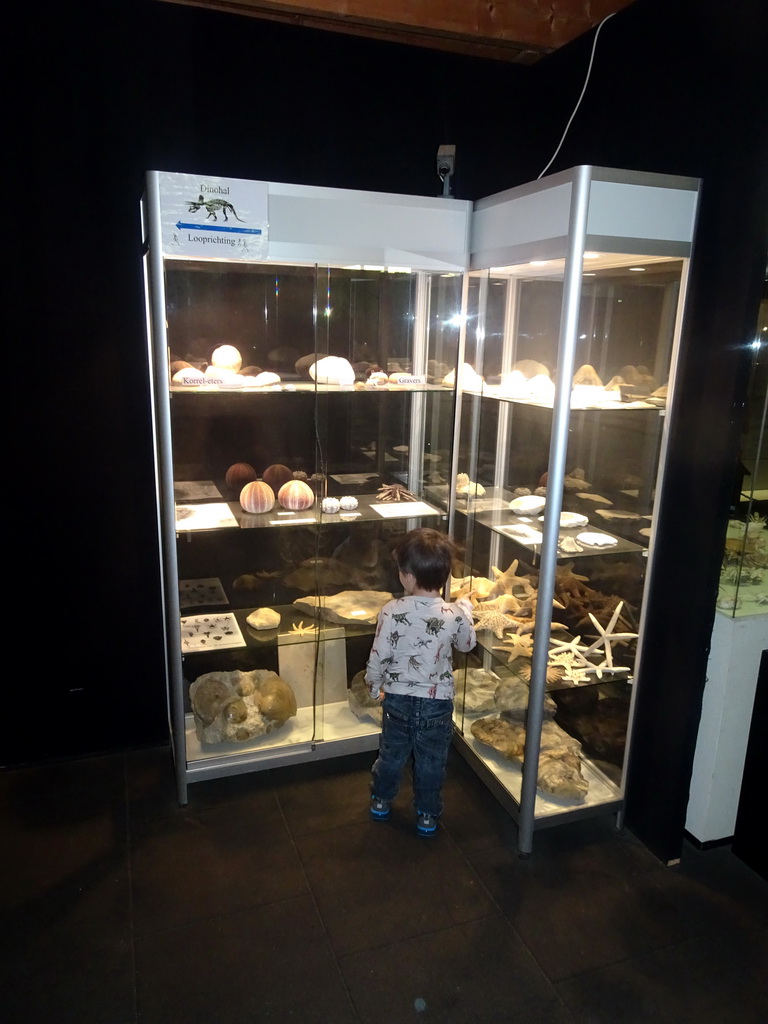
x: 423, y: 727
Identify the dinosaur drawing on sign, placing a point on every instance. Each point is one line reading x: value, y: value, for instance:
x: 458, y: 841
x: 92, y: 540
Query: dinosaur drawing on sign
x: 212, y: 207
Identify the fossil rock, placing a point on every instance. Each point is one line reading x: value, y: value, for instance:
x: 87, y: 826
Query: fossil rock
x: 475, y: 693
x: 264, y: 618
x: 348, y: 607
x: 511, y: 696
x: 361, y: 704
x: 234, y: 707
x: 559, y: 759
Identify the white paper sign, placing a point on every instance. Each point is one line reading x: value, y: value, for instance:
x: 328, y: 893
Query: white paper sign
x: 214, y: 218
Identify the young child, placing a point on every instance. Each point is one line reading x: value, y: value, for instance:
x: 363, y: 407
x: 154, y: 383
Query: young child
x: 410, y: 668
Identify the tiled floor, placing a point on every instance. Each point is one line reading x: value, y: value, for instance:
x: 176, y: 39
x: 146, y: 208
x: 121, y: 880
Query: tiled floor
x: 272, y: 898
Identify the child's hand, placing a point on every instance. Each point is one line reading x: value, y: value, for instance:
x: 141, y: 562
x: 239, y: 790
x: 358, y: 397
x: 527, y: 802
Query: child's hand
x: 466, y: 606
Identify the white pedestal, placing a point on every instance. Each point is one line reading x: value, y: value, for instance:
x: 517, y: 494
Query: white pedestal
x: 726, y: 713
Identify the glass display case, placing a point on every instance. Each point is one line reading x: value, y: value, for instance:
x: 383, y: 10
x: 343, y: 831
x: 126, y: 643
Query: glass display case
x: 565, y: 385
x: 303, y: 348
x: 744, y: 571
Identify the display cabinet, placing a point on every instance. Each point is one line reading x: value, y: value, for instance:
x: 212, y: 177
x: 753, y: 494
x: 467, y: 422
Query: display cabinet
x: 565, y: 385
x: 744, y: 572
x: 303, y: 348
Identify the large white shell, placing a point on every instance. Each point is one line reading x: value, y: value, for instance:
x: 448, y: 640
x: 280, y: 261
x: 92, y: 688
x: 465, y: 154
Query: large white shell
x: 265, y: 379
x: 226, y: 357
x: 528, y: 503
x: 569, y: 520
x: 332, y: 370
x: 597, y: 540
x: 189, y: 375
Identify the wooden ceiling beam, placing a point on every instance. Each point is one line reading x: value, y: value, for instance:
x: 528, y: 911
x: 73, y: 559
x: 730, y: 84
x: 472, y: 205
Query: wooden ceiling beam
x: 519, y: 31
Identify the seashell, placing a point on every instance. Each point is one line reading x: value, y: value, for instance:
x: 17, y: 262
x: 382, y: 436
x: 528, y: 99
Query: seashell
x: 299, y: 474
x: 263, y: 618
x: 332, y: 370
x: 542, y: 387
x: 569, y: 520
x: 208, y: 696
x: 587, y: 375
x: 188, y: 375
x: 276, y: 475
x: 265, y: 379
x: 235, y: 711
x: 569, y: 545
x: 239, y: 474
x: 348, y: 503
x: 277, y: 701
x: 296, y: 495
x: 222, y: 375
x: 527, y: 503
x: 330, y: 505
x: 597, y: 540
x: 226, y: 357
x: 530, y: 368
x: 257, y: 496
x: 514, y: 385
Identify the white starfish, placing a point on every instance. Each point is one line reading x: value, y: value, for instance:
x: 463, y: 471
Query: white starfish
x: 607, y: 637
x: 574, y: 647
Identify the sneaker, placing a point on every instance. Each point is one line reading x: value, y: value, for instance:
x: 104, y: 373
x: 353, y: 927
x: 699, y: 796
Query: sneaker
x: 426, y: 824
x: 379, y: 808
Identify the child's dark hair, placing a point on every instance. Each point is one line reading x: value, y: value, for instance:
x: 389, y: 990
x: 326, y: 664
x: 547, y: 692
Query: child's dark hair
x: 429, y: 555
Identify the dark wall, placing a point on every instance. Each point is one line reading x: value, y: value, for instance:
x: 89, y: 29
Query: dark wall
x: 139, y: 84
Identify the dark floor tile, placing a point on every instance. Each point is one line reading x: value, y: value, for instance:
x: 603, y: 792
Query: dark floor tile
x: 331, y: 800
x: 478, y: 972
x: 44, y: 857
x: 196, y: 864
x: 151, y: 783
x: 703, y: 980
x: 67, y: 953
x: 377, y: 882
x: 472, y: 815
x: 584, y: 905
x: 268, y: 964
x: 62, y: 791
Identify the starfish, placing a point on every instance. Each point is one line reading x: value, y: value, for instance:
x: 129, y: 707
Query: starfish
x: 574, y: 647
x: 507, y: 580
x: 299, y: 629
x: 607, y: 637
x: 492, y: 619
x: 516, y: 646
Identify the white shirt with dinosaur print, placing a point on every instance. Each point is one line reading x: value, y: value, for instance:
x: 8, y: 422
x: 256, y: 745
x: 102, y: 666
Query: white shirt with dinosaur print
x: 413, y: 647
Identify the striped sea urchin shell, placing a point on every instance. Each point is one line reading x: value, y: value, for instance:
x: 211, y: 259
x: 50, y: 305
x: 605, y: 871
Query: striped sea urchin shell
x: 276, y: 475
x: 257, y: 496
x: 239, y: 474
x: 296, y: 495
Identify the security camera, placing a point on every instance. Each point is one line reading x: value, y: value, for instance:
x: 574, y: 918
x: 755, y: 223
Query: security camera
x: 446, y: 160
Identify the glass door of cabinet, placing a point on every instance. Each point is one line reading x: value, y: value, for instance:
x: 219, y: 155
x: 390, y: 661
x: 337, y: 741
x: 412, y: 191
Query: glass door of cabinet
x: 617, y: 386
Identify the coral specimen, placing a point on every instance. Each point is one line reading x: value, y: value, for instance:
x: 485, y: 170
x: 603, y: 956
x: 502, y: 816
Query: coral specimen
x: 395, y: 492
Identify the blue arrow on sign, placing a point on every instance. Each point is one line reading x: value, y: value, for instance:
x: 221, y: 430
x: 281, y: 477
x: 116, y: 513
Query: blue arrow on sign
x: 210, y: 227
